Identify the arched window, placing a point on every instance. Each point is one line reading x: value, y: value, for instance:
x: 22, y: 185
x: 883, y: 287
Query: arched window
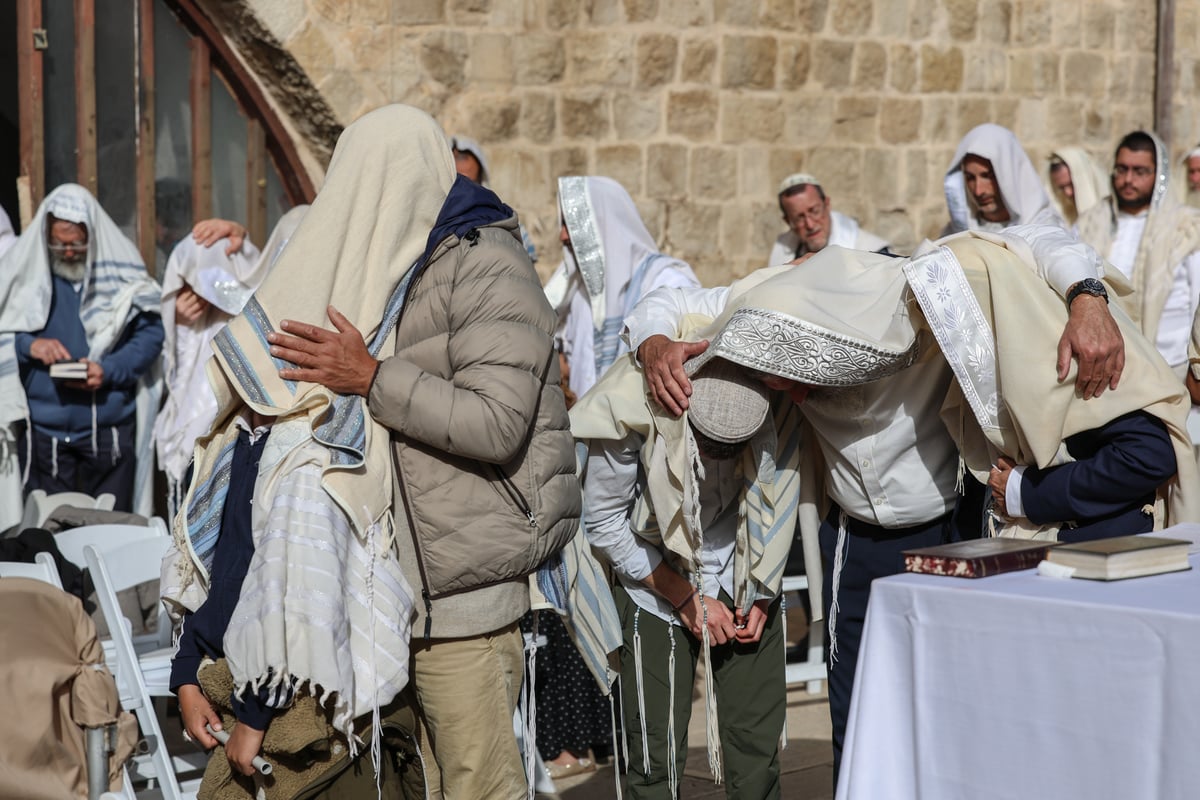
x: 145, y: 104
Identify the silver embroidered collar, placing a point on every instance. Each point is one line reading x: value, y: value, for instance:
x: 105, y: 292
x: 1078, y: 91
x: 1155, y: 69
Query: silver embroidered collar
x: 580, y: 219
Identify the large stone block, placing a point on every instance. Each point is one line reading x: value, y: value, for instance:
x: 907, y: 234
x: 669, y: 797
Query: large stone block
x: 604, y: 12
x: 365, y: 48
x: 443, y: 55
x: 1034, y: 21
x: 641, y: 10
x: 777, y: 15
x: 995, y: 22
x: 900, y: 120
x: 841, y: 169
x: 757, y: 177
x: 636, y: 115
x: 1033, y: 71
x: 532, y: 185
x: 832, y: 62
x: 851, y: 17
x: 666, y: 171
x: 813, y: 14
x: 465, y: 9
x: 767, y: 223
x: 986, y: 70
x: 699, y: 56
x: 656, y: 57
x: 1084, y: 73
x: 714, y: 173
x: 896, y: 226
x: 538, y: 118
x: 747, y: 118
x: 1099, y: 26
x: 652, y: 212
x: 737, y: 228
x: 916, y: 174
x: 937, y: 119
x: 568, y: 161
x: 561, y: 13
x: 891, y: 17
x: 344, y: 93
x: 794, y: 62
x: 311, y: 49
x: 1097, y: 125
x: 855, y: 120
x: 738, y: 13
x: 600, y: 59
x: 494, y: 119
x: 585, y: 115
x: 331, y: 10
x: 371, y: 12
x: 542, y: 59
x: 281, y: 17
x: 685, y: 13
x: 1031, y: 118
x: 963, y: 16
x: 870, y: 66
x: 973, y: 111
x: 782, y: 161
x: 903, y: 75
x: 1066, y: 121
x: 1137, y: 27
x: 1068, y: 25
x: 748, y: 62
x: 692, y: 114
x: 941, y: 69
x: 693, y: 229
x: 490, y: 60
x: 622, y: 163
x: 808, y: 118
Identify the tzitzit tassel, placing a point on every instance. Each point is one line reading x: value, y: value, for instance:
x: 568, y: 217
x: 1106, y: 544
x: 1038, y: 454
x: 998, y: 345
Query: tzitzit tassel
x: 54, y: 457
x: 95, y: 430
x: 641, y: 693
x: 672, y: 772
x: 783, y: 737
x: 530, y: 715
x: 376, y: 714
x: 116, y: 445
x: 712, y: 733
x: 839, y: 561
x: 612, y: 711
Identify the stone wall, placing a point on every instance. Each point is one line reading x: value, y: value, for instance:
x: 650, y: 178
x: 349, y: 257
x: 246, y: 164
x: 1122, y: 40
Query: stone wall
x: 699, y: 106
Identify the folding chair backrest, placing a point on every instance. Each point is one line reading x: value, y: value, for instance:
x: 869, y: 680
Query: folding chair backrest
x: 113, y: 571
x: 105, y: 538
x: 39, y: 505
x: 43, y: 569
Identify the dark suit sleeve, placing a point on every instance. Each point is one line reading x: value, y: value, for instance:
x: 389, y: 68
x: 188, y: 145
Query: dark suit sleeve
x: 1118, y: 465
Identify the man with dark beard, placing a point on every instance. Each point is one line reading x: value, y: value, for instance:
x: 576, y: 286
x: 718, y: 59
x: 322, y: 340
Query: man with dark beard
x: 75, y: 289
x: 1153, y: 240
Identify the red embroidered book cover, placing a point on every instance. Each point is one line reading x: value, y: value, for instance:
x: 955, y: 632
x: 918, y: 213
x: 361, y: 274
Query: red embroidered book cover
x: 977, y: 558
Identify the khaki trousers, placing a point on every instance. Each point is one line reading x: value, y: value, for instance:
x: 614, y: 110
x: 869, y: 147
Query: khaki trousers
x: 467, y: 691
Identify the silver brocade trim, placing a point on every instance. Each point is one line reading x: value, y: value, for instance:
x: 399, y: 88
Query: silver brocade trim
x: 585, y: 237
x: 770, y: 341
x: 962, y: 331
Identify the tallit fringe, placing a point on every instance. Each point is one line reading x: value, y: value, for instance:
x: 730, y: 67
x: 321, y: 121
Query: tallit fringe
x: 54, y: 456
x: 641, y: 690
x: 672, y: 751
x: 529, y: 710
x: 712, y: 734
x: 624, y: 728
x: 783, y: 737
x: 376, y: 716
x: 28, y: 449
x: 612, y: 710
x: 95, y: 430
x: 839, y: 561
x: 116, y: 445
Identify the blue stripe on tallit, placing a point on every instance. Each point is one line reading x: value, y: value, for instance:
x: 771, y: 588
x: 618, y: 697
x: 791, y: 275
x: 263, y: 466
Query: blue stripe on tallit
x: 208, y: 501
x: 243, y: 372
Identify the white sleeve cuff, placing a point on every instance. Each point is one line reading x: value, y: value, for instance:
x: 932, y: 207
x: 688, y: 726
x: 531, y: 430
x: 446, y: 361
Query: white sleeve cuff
x: 1012, y: 493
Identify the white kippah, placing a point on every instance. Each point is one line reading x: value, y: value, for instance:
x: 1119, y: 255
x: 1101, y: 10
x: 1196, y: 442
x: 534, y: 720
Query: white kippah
x: 1195, y: 151
x: 797, y: 179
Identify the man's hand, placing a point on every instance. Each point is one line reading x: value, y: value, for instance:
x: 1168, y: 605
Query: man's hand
x: 189, y: 306
x: 748, y: 628
x: 720, y: 619
x: 998, y: 482
x: 338, y: 361
x: 196, y: 712
x: 49, y: 351
x: 1092, y: 336
x: 208, y: 232
x: 94, y: 380
x: 662, y: 361
x: 243, y: 746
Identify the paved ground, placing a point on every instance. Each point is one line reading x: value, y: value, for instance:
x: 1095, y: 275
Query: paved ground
x: 806, y: 763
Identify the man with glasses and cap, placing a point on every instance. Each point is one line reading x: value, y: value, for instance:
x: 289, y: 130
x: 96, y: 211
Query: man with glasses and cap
x: 813, y: 224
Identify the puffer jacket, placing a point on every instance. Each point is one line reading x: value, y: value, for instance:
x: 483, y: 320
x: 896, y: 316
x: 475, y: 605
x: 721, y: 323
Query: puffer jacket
x: 482, y: 442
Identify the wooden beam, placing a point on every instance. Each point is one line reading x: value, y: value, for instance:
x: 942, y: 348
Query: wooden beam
x: 201, y: 100
x: 1164, y: 72
x: 256, y: 181
x: 85, y: 94
x: 146, y: 210
x: 29, y: 109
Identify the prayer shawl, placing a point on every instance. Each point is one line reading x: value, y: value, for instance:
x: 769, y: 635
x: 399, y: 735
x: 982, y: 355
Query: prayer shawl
x: 1172, y: 233
x: 1091, y: 184
x: 7, y: 236
x: 358, y: 247
x: 1020, y: 187
x: 190, y: 408
x: 117, y: 289
x: 611, y: 263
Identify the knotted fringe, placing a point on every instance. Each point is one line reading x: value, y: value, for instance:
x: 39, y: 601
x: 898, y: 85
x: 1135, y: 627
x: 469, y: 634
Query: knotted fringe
x: 612, y: 711
x: 960, y: 485
x: 672, y: 751
x: 641, y: 690
x: 783, y: 618
x: 712, y: 734
x: 529, y: 712
x: 624, y: 728
x: 116, y: 445
x: 95, y: 430
x: 376, y: 715
x: 54, y: 456
x: 839, y: 561
x: 28, y: 450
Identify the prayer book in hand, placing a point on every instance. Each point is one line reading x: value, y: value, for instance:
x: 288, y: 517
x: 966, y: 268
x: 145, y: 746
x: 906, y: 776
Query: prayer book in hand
x: 69, y: 371
x: 1122, y: 557
x: 977, y: 558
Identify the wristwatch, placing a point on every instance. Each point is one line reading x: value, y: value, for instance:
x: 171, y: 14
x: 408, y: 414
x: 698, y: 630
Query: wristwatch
x: 1087, y: 286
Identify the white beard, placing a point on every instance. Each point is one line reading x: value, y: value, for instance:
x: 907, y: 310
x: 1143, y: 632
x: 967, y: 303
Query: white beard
x: 73, y: 271
x: 1193, y: 198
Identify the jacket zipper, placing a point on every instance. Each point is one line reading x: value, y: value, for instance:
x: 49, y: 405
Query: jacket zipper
x: 515, y: 495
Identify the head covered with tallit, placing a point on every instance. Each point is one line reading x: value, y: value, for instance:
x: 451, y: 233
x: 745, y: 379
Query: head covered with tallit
x: 1020, y: 186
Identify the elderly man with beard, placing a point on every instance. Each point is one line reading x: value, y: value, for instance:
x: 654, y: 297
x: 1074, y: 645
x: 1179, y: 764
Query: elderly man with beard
x: 813, y: 224
x: 75, y: 289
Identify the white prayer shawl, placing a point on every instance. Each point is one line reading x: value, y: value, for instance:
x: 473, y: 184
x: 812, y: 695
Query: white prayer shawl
x: 844, y: 231
x: 226, y: 282
x: 611, y: 264
x: 1172, y: 233
x: 1091, y: 184
x: 7, y: 236
x: 1020, y: 187
x: 117, y: 288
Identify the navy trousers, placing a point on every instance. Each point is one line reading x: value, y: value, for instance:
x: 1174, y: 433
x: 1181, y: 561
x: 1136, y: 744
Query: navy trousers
x: 69, y: 465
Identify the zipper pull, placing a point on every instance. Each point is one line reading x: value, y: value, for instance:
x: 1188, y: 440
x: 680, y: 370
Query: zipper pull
x: 532, y: 519
x: 428, y: 612
x: 472, y: 236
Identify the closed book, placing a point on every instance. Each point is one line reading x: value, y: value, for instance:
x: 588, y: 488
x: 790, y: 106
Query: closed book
x: 977, y: 558
x: 69, y: 371
x: 1122, y: 557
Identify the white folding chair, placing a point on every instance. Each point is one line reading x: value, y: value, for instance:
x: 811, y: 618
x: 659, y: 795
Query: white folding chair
x: 810, y: 672
x: 43, y: 569
x: 118, y: 569
x: 38, y: 505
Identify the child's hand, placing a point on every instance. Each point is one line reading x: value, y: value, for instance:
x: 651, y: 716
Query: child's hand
x: 243, y: 745
x: 196, y: 712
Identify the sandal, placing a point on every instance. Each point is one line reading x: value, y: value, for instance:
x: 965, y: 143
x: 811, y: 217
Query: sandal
x: 577, y: 767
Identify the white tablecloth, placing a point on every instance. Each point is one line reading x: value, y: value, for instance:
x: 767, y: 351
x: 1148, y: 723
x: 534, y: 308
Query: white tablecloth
x: 1027, y: 687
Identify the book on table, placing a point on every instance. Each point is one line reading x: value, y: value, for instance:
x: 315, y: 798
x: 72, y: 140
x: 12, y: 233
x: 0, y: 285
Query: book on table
x: 977, y: 558
x: 69, y: 371
x: 1122, y: 557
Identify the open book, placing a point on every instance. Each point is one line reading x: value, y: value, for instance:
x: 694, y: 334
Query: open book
x: 977, y: 558
x: 1122, y: 557
x: 69, y: 371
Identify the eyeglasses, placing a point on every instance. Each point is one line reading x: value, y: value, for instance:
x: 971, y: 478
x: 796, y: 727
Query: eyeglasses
x: 1139, y: 172
x: 58, y: 248
x: 813, y: 214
